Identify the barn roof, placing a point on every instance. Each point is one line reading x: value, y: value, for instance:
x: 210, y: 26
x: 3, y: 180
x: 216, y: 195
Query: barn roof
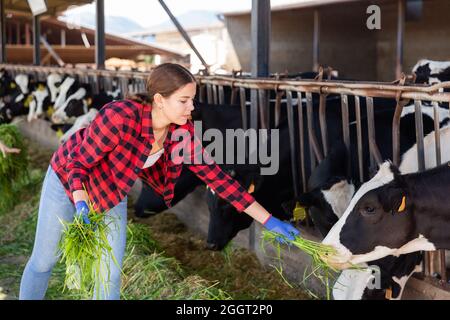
x: 292, y: 4
x: 54, y: 6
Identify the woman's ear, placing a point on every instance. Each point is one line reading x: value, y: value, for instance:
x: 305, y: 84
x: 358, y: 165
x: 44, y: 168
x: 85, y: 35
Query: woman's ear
x: 157, y: 99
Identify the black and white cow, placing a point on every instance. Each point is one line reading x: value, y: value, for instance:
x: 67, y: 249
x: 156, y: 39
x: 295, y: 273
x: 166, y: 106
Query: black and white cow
x: 432, y: 72
x: 19, y: 98
x: 44, y: 97
x: 393, y: 214
x: 394, y: 271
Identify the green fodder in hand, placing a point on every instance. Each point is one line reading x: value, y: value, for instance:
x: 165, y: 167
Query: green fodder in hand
x: 315, y: 250
x: 13, y: 167
x: 82, y: 248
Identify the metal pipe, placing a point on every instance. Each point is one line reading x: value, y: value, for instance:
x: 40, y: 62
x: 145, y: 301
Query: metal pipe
x: 302, y: 141
x: 316, y: 39
x: 2, y: 32
x: 184, y: 34
x: 243, y: 108
x: 291, y: 129
x: 400, y: 37
x: 100, y: 34
x: 359, y: 138
x: 323, y: 122
x: 36, y: 41
x: 346, y: 129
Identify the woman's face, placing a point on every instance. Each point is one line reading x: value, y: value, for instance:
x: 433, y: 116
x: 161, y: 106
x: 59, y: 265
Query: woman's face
x: 178, y: 107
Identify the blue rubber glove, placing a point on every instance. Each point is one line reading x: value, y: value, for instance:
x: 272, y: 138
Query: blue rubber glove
x: 275, y: 225
x: 83, y: 210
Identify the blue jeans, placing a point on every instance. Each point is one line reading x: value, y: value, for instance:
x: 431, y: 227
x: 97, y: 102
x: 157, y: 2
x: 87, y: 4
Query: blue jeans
x: 56, y: 204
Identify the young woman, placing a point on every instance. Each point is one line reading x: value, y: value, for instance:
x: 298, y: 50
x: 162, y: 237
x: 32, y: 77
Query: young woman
x: 125, y: 141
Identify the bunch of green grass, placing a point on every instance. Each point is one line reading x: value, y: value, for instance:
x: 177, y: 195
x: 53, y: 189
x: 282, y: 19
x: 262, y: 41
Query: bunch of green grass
x: 83, y: 247
x: 13, y: 167
x: 320, y: 268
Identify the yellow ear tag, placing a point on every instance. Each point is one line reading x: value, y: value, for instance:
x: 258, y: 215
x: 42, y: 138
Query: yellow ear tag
x: 41, y: 87
x: 89, y: 101
x: 12, y: 85
x: 50, y: 111
x: 251, y: 188
x: 59, y: 133
x: 388, y: 294
x: 26, y: 104
x: 299, y: 212
x: 403, y: 205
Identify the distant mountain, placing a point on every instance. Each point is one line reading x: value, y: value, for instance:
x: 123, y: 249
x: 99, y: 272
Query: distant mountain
x: 113, y: 24
x: 189, y: 20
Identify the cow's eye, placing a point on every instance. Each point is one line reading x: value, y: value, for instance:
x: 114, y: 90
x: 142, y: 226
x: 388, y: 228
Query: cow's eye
x: 369, y: 210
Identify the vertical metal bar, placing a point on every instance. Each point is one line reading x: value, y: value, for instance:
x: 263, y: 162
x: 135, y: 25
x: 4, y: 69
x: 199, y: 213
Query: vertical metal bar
x: 100, y: 34
x: 311, y: 133
x: 371, y: 129
x: 359, y: 138
x: 63, y: 38
x: 291, y: 128
x: 201, y: 94
x: 400, y: 37
x: 233, y: 97
x: 419, y: 134
x: 262, y: 96
x: 243, y: 108
x: 184, y: 34
x: 214, y: 91
x: 36, y: 41
x: 437, y: 137
x: 254, y: 109
x: 209, y: 94
x: 260, y: 32
x: 316, y: 40
x: 346, y: 128
x: 279, y: 95
x: 302, y: 141
x: 323, y: 122
x: 2, y: 32
x: 221, y: 95
x: 396, y: 133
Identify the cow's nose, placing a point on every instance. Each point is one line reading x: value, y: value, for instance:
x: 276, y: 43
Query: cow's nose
x: 212, y: 246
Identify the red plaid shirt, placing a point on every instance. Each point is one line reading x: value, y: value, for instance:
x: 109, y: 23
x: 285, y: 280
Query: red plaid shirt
x: 108, y: 156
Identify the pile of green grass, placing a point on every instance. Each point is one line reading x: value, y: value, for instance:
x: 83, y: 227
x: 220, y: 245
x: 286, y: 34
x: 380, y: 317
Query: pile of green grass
x: 148, y: 274
x: 13, y: 167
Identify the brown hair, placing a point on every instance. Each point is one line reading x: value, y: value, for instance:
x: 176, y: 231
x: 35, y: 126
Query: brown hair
x: 165, y: 79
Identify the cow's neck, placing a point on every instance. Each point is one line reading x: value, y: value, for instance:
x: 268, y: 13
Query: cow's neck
x: 431, y: 201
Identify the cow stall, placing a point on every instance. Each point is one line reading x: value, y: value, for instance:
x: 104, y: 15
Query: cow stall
x: 298, y: 98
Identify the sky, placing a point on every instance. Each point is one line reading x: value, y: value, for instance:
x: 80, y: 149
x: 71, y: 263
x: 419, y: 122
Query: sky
x: 149, y: 12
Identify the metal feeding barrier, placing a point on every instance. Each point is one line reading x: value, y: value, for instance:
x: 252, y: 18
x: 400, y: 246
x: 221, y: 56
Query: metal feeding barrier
x: 298, y: 97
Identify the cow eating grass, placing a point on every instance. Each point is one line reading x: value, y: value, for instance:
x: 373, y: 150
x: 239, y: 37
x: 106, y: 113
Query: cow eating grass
x: 393, y: 214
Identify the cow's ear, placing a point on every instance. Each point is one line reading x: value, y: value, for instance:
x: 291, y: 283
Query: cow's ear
x: 393, y: 199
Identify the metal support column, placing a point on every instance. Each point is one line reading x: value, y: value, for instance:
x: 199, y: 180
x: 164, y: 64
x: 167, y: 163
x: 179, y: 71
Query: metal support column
x: 100, y: 34
x: 400, y: 37
x: 316, y: 39
x: 2, y: 32
x: 36, y: 40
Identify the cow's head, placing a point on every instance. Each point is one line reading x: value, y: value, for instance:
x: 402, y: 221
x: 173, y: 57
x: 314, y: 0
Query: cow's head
x: 22, y: 82
x: 53, y: 84
x: 75, y: 106
x: 378, y: 222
